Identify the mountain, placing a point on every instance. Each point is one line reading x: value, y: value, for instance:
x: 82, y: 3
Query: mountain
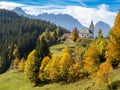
x: 103, y: 26
x: 21, y: 12
x: 62, y: 20
x: 65, y: 21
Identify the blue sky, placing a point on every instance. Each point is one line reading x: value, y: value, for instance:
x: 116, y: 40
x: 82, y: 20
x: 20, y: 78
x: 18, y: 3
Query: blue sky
x: 83, y: 10
x: 114, y: 5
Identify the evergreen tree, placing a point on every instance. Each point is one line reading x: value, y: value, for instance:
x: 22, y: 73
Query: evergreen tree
x: 47, y: 33
x: 58, y: 32
x: 113, y: 48
x: 42, y: 49
x: 54, y: 36
x: 5, y: 62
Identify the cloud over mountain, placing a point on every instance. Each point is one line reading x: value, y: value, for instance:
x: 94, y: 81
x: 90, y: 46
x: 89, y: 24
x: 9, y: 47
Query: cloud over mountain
x: 82, y: 13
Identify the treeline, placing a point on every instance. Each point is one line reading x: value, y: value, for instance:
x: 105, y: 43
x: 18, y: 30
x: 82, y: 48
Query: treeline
x: 18, y: 36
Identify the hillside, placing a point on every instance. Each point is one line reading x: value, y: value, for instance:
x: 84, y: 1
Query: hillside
x: 17, y: 82
x: 57, y: 48
x: 20, y: 33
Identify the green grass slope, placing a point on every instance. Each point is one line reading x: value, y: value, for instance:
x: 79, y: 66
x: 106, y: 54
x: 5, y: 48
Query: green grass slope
x: 57, y: 48
x: 115, y: 79
x: 14, y: 80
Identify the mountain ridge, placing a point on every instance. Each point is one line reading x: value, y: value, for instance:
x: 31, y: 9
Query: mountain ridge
x: 103, y: 26
x: 66, y: 21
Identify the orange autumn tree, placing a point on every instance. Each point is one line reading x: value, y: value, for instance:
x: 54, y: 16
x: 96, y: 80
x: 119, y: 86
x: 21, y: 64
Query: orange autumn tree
x: 113, y: 48
x: 74, y: 34
x: 92, y: 60
x: 103, y: 74
x: 95, y: 55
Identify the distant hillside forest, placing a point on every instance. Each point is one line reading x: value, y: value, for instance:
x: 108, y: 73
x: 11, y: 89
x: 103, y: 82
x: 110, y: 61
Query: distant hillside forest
x: 19, y: 35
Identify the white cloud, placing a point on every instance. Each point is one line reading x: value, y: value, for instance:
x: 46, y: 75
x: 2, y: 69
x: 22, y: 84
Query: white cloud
x: 103, y: 7
x: 83, y: 14
x: 9, y: 5
x: 35, y: 10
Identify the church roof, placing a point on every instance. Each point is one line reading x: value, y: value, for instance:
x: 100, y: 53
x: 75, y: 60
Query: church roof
x: 85, y: 31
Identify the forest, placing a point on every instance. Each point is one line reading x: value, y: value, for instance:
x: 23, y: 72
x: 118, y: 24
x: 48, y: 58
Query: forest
x: 18, y: 36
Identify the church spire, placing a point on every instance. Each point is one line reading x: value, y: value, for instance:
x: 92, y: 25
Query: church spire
x: 91, y: 28
x: 92, y: 22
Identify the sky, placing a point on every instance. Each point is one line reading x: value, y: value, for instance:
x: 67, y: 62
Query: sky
x: 82, y: 10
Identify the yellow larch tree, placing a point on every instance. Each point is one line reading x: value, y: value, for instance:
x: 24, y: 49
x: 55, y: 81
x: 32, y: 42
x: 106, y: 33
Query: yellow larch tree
x: 65, y: 63
x: 42, y: 73
x: 21, y: 65
x: 113, y: 48
x: 74, y: 72
x: 54, y: 69
x: 31, y: 67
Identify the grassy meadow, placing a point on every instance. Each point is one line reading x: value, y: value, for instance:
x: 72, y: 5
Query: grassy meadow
x: 14, y: 80
x: 57, y: 48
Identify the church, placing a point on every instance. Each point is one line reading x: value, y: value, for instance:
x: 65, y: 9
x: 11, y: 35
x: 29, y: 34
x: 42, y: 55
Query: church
x: 87, y: 32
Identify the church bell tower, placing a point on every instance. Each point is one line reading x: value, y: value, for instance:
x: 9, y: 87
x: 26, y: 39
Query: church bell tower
x: 91, y: 28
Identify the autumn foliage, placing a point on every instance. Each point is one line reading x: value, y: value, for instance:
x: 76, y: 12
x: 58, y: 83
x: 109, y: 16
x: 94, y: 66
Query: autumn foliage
x: 21, y: 65
x: 42, y: 73
x: 74, y: 34
x: 113, y: 48
x: 103, y: 74
x: 31, y: 68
